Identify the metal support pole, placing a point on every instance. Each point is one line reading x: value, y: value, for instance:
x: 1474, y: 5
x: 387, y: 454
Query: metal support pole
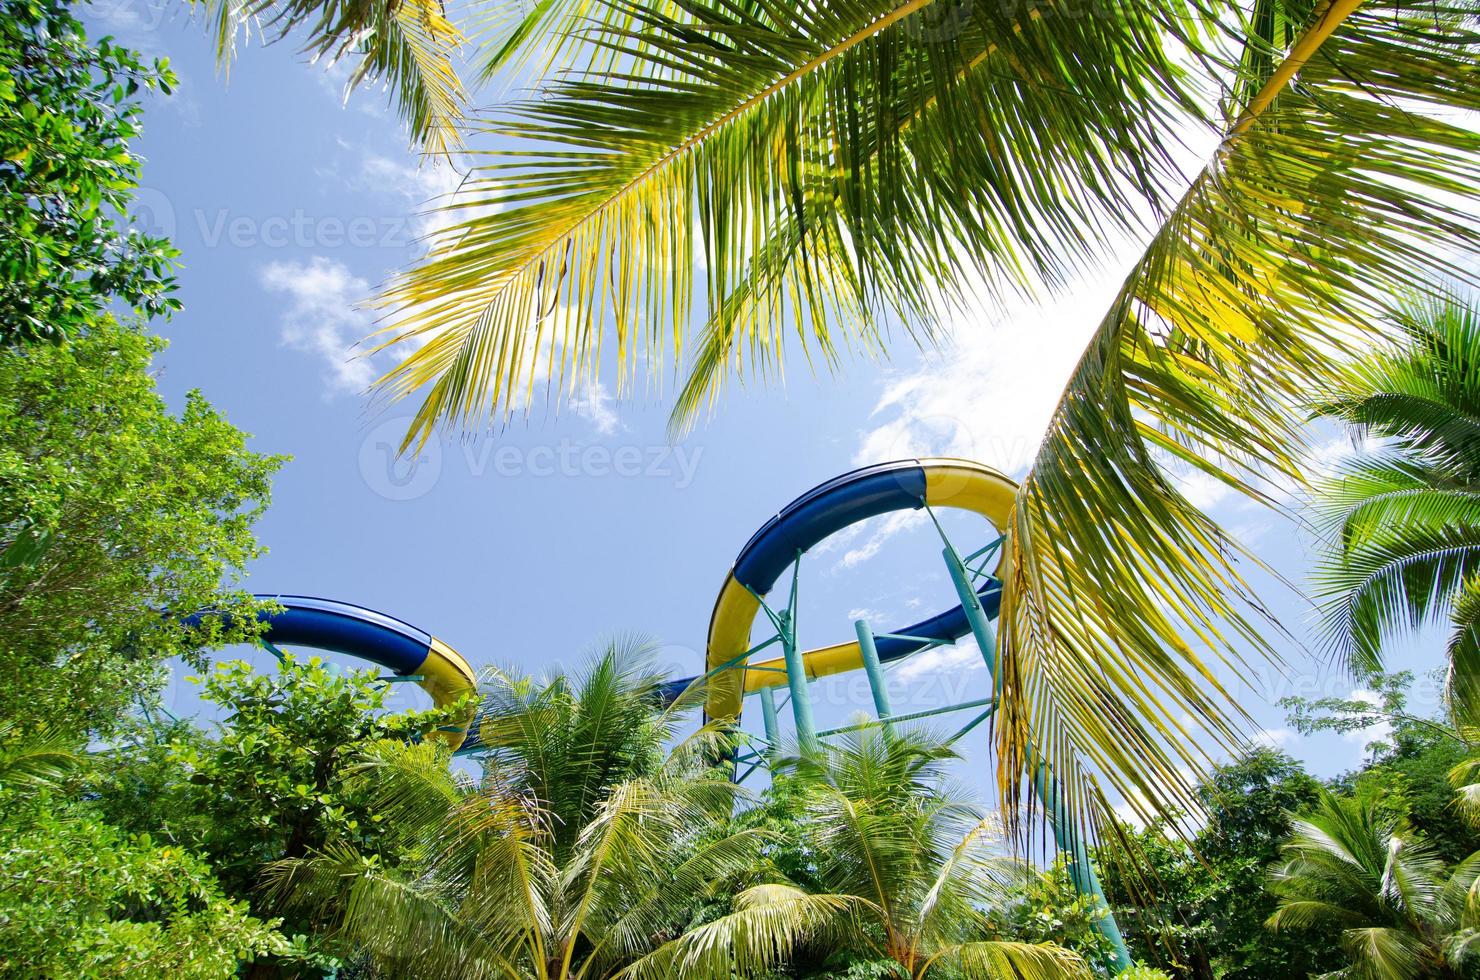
x: 1064, y: 831
x: 796, y: 671
x: 768, y: 712
x: 875, y: 672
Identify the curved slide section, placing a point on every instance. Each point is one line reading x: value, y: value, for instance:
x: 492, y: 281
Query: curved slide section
x: 816, y: 515
x: 401, y: 648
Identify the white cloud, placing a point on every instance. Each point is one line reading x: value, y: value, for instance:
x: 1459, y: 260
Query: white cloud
x: 429, y: 187
x: 965, y: 655
x: 1327, y: 459
x: 990, y: 394
x: 323, y: 317
x: 1274, y: 738
x: 594, y: 403
x: 1201, y: 490
x: 877, y: 531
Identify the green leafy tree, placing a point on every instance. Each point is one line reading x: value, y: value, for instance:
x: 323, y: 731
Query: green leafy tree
x: 278, y: 780
x: 81, y: 898
x: 114, y: 513
x: 1401, y: 914
x: 68, y: 110
x: 1407, y: 772
x: 1403, y: 517
x: 1201, y: 904
x: 1050, y: 908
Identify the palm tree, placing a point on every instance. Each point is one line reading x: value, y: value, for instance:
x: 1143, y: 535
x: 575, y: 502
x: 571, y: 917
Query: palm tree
x: 1402, y: 916
x: 580, y: 855
x: 1403, y: 518
x: 753, y: 176
x: 908, y: 861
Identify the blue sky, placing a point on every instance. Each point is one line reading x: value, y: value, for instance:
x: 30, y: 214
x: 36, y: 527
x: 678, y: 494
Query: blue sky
x: 290, y: 204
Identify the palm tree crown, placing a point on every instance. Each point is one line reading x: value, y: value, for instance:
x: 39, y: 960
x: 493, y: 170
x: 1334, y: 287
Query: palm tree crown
x: 583, y: 850
x: 911, y: 861
x: 1403, y: 517
x: 1402, y: 915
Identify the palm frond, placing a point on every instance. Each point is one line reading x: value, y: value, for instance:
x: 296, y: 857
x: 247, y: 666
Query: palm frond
x: 34, y: 760
x: 406, y: 925
x: 1385, y: 953
x: 1336, y: 187
x: 1392, y: 577
x: 892, y: 157
x: 1463, y: 649
x: 1422, y: 391
x: 409, y: 45
x: 987, y: 960
x: 769, y: 923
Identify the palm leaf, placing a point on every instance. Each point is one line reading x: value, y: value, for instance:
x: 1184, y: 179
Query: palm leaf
x: 1399, y: 521
x: 987, y: 960
x: 1332, y: 190
x: 409, y: 45
x: 36, y: 760
x: 641, y: 197
x: 770, y: 921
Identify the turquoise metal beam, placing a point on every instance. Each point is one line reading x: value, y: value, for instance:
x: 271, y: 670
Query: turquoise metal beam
x: 796, y: 670
x: 912, y: 716
x: 875, y: 673
x: 768, y: 712
x: 1064, y: 830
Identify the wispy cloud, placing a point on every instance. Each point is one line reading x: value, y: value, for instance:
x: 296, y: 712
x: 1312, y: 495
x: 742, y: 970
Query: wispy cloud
x: 965, y: 655
x: 323, y: 318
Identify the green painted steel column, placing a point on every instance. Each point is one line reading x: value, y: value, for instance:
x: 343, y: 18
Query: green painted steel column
x: 768, y: 712
x: 796, y: 679
x: 1065, y: 835
x: 875, y: 672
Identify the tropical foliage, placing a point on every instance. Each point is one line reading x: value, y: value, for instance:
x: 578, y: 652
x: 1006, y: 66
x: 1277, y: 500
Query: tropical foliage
x: 1401, y: 515
x: 275, y: 781
x: 1201, y: 906
x: 68, y: 110
x: 1400, y: 911
x: 580, y: 853
x: 409, y: 46
x: 114, y: 510
x: 83, y: 899
x: 910, y: 863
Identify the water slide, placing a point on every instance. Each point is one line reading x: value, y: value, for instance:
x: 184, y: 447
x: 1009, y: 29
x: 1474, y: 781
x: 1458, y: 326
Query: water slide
x: 409, y: 652
x: 823, y: 511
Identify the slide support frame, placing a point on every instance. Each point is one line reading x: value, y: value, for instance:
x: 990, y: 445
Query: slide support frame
x: 875, y: 672
x: 796, y: 670
x: 1069, y: 841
